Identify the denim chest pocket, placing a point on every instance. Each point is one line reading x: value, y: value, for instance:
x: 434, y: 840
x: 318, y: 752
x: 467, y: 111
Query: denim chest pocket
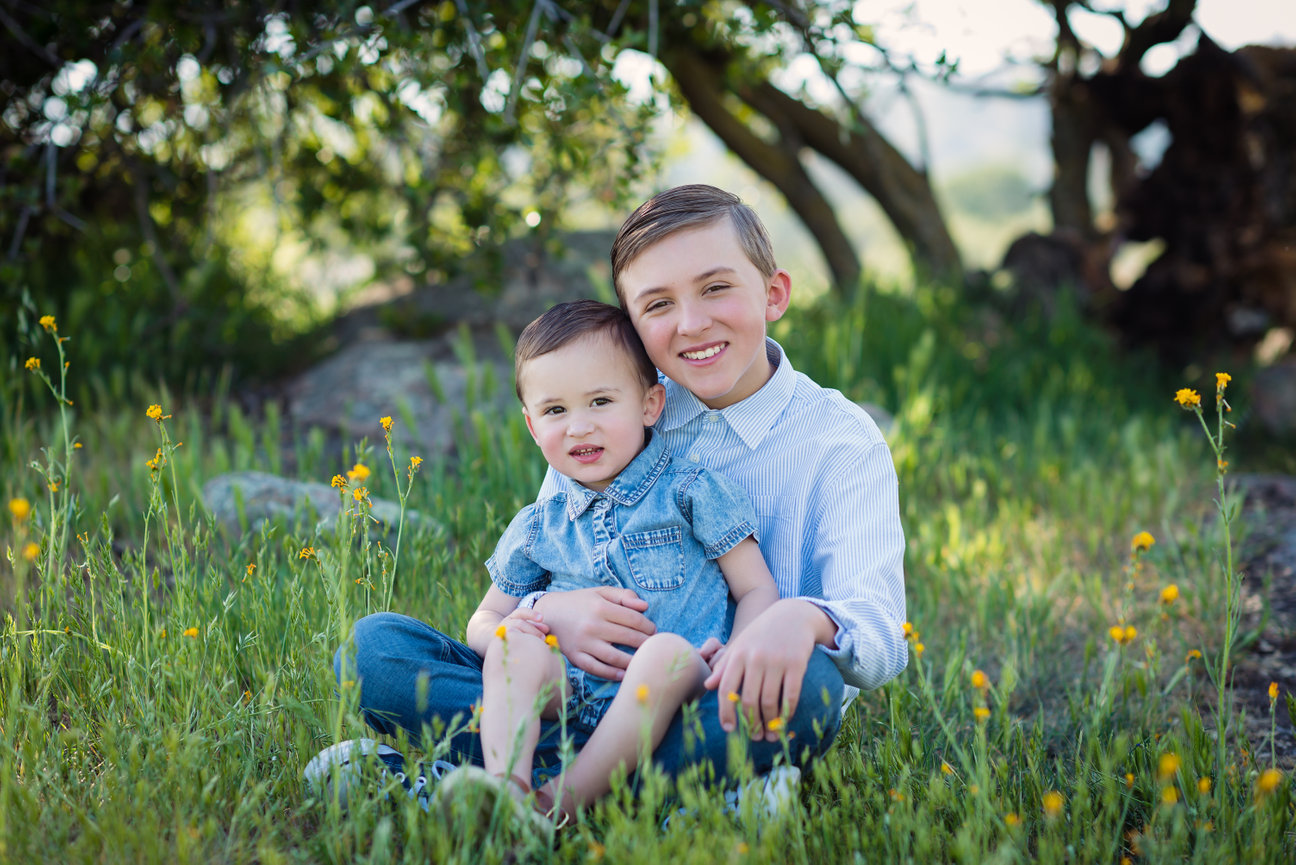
x: 656, y: 558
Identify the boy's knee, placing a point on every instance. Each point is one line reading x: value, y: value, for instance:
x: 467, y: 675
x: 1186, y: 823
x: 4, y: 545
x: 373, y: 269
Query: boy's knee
x: 663, y: 648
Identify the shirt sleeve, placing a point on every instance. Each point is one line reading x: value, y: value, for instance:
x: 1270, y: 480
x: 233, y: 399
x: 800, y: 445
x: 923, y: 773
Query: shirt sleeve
x: 719, y: 511
x: 858, y: 552
x: 510, y: 567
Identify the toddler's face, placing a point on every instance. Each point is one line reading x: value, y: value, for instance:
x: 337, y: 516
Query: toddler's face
x: 587, y: 409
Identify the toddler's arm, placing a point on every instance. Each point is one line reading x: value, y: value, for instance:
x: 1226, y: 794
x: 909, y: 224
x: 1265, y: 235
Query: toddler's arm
x: 498, y: 608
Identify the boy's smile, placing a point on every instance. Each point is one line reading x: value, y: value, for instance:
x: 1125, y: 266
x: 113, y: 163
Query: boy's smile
x: 701, y: 306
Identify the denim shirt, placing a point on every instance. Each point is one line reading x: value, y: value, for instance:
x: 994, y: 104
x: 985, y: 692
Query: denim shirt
x: 656, y: 529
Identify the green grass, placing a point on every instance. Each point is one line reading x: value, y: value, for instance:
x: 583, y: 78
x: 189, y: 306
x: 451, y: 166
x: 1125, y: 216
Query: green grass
x: 1029, y: 455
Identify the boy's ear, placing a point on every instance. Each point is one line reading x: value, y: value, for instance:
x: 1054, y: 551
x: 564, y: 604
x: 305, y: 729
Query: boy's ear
x: 530, y: 428
x: 654, y: 402
x: 778, y: 293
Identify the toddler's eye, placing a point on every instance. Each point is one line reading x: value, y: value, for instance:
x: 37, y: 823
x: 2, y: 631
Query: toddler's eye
x: 554, y: 409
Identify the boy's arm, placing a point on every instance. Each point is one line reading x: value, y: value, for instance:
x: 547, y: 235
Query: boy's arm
x: 856, y: 557
x: 493, y: 610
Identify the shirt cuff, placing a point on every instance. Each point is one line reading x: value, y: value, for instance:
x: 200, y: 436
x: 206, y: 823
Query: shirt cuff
x: 528, y: 602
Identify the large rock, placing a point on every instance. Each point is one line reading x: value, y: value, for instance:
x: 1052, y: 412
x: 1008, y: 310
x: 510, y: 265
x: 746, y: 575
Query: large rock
x: 1273, y: 395
x: 262, y: 498
x: 354, y: 388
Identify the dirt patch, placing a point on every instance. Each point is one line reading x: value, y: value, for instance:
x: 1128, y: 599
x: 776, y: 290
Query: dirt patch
x: 1268, y: 608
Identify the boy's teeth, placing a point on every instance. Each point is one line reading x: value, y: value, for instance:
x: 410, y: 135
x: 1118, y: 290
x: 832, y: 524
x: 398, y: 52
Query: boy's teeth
x: 704, y: 354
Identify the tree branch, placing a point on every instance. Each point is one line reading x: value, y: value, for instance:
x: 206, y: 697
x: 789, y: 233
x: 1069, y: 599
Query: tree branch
x: 779, y: 165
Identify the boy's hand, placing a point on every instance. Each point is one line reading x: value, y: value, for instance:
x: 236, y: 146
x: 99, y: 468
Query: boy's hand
x: 764, y: 666
x: 591, y: 623
x: 525, y: 622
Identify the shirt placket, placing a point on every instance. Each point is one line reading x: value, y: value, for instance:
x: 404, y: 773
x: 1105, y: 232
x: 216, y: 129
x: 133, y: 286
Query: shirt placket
x: 710, y: 432
x: 604, y: 534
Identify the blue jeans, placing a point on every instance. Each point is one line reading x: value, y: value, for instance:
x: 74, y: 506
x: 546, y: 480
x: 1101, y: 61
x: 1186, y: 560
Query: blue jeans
x: 412, y: 676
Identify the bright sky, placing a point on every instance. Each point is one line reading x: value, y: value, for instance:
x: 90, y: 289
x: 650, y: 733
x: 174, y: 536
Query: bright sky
x: 980, y: 32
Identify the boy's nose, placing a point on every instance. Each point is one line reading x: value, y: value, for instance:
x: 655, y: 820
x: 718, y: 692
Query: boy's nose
x: 693, y: 318
x: 580, y: 426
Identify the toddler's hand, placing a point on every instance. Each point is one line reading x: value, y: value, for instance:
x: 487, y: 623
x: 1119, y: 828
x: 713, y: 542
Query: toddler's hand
x: 712, y: 651
x: 525, y: 622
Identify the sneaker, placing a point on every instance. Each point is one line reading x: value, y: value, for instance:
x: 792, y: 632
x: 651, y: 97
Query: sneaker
x: 474, y: 793
x: 771, y: 795
x: 364, y: 765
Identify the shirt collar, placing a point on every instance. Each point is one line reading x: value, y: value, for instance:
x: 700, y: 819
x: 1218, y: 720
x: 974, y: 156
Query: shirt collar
x: 750, y: 418
x: 630, y: 485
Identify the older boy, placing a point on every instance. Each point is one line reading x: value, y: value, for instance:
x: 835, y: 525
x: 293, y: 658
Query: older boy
x: 693, y: 267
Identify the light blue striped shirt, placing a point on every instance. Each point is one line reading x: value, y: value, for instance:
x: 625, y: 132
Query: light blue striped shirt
x: 824, y: 487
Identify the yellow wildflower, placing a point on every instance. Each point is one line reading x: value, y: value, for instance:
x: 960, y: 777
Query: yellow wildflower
x: 908, y: 630
x: 1273, y: 691
x: 1192, y: 654
x: 338, y: 482
x: 641, y: 693
x: 164, y: 633
x: 191, y: 633
x: 415, y: 462
x: 1268, y: 781
x: 919, y: 648
x: 54, y: 486
x: 742, y: 848
x: 502, y: 631
x: 1053, y: 803
x: 1168, y: 766
x: 1012, y: 819
x: 306, y: 553
x: 1122, y: 635
x: 551, y: 641
x: 775, y: 725
x: 1170, y: 594
x: 154, y: 412
x: 1169, y: 795
x: 47, y: 322
x: 946, y: 768
x: 359, y: 494
x: 33, y: 363
x: 250, y: 569
x: 20, y: 508
x: 982, y: 714
x: 1129, y: 780
x: 359, y: 472
x: 1203, y: 785
x: 733, y: 697
x: 1187, y: 398
x: 1222, y: 380
x: 386, y: 423
x: 31, y: 551
x: 980, y: 680
x: 1143, y: 542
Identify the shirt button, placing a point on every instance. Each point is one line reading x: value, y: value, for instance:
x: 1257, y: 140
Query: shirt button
x: 713, y: 416
x: 693, y: 457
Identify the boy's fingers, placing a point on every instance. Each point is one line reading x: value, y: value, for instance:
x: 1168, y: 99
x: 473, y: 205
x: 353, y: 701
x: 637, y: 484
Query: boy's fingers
x: 591, y: 664
x: 623, y: 597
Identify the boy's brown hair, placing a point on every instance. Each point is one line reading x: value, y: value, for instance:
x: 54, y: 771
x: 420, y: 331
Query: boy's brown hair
x: 568, y: 322
x: 692, y: 206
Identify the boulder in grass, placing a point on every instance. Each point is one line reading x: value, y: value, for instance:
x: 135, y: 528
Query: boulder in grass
x: 252, y: 499
x: 409, y: 381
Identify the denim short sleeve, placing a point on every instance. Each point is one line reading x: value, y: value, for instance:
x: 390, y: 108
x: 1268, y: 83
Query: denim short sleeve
x: 511, y: 567
x: 720, y: 512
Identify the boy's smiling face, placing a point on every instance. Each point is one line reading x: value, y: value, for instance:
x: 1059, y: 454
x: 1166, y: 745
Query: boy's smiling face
x: 701, y: 307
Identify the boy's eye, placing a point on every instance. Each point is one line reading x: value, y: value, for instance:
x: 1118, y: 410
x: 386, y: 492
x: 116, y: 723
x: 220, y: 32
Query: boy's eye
x: 655, y: 306
x: 715, y: 287
x: 553, y: 409
x: 602, y: 400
